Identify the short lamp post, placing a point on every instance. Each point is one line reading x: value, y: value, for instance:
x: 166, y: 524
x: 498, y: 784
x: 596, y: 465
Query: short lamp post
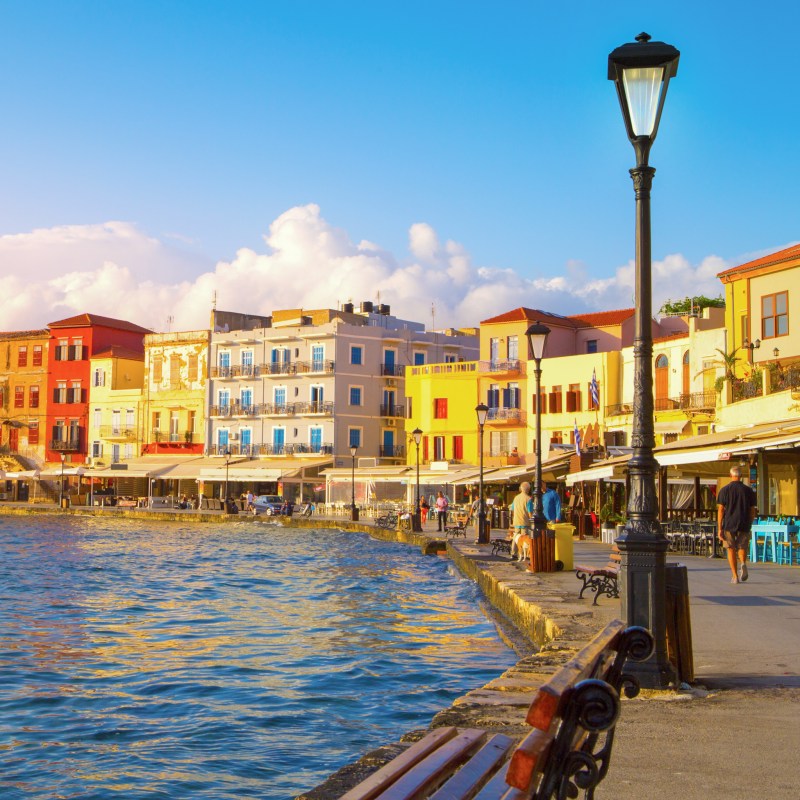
x: 751, y: 346
x: 537, y: 338
x: 641, y: 72
x: 417, y: 521
x: 481, y: 411
x: 353, y: 509
x: 61, y: 482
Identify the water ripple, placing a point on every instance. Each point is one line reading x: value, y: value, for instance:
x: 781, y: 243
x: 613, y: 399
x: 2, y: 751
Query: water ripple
x: 249, y: 661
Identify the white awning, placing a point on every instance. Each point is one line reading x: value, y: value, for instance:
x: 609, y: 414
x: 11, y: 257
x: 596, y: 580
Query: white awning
x: 672, y: 426
x: 239, y: 475
x: 56, y: 472
x: 23, y: 475
x: 599, y: 473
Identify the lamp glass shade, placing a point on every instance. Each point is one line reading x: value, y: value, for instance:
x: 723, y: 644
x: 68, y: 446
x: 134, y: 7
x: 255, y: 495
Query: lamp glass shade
x: 482, y: 412
x: 643, y: 89
x: 417, y: 434
x: 353, y: 450
x: 537, y: 336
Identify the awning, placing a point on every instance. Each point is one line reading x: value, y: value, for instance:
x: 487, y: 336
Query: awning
x: 600, y: 473
x: 24, y: 475
x: 57, y: 472
x: 239, y: 475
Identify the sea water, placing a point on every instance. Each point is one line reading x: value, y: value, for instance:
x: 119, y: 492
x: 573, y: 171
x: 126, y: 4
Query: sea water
x: 179, y: 661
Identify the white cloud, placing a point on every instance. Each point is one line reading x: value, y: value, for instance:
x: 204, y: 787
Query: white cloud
x: 115, y: 269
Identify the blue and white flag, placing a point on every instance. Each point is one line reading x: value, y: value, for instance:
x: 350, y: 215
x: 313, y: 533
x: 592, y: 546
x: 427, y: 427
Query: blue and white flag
x: 595, y: 390
x: 577, y: 439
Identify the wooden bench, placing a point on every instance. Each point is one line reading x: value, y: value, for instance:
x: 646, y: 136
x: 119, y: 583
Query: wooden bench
x: 459, y: 529
x: 573, y: 716
x: 600, y: 580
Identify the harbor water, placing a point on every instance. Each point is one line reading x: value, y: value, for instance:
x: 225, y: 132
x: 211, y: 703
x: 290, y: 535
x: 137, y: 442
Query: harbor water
x: 165, y: 660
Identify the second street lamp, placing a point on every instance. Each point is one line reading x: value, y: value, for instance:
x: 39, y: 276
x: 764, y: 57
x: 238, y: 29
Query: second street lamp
x: 417, y: 527
x: 641, y: 72
x: 482, y: 412
x: 537, y: 338
x: 61, y: 484
x: 353, y: 509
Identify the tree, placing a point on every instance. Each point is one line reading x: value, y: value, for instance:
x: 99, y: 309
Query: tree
x: 690, y: 305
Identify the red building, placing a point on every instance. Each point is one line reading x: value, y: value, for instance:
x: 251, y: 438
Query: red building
x: 73, y: 342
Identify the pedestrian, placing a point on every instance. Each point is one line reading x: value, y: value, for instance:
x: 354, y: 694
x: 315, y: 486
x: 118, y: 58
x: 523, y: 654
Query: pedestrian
x: 423, y: 510
x: 250, y: 498
x: 520, y: 515
x: 551, y: 503
x: 441, y: 510
x: 736, y: 510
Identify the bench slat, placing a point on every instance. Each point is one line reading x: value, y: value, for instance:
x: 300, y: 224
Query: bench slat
x: 389, y: 773
x: 479, y: 767
x: 548, y: 702
x: 436, y: 768
x: 528, y: 759
x: 495, y: 789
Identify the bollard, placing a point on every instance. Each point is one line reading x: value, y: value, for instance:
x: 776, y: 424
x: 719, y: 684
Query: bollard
x: 679, y: 622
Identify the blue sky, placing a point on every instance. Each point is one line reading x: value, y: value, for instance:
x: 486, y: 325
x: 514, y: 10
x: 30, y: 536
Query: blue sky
x: 466, y: 154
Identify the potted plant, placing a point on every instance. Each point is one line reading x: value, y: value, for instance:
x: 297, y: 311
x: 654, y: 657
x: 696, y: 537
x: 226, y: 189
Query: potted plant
x: 609, y: 519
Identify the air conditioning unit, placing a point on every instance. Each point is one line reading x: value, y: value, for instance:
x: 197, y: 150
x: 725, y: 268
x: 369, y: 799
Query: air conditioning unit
x: 234, y: 437
x: 391, y: 382
x: 391, y: 423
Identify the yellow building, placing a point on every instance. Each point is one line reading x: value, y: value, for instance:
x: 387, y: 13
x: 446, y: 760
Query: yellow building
x: 758, y: 299
x: 23, y: 395
x: 115, y: 406
x: 176, y: 374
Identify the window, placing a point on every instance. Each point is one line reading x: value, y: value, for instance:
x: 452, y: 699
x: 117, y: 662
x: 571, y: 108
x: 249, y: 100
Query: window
x: 192, y: 368
x: 224, y: 398
x: 775, y: 315
x: 19, y: 397
x: 75, y: 393
x: 502, y: 442
x: 158, y: 368
x: 22, y: 356
x: 574, y: 397
x: 98, y: 417
x: 354, y: 437
x: 37, y: 356
x: 557, y: 437
x: 419, y: 359
x: 246, y: 399
x: 130, y: 419
x: 279, y: 397
x: 458, y: 447
x: 556, y: 399
x: 591, y: 346
x: 60, y: 392
x: 191, y: 426
x: 33, y: 432
x: 356, y: 354
x: 317, y: 358
x: 174, y: 370
x: 355, y: 395
x: 494, y: 350
x: 449, y: 359
x: 62, y: 350
x: 440, y: 408
x: 33, y: 397
x: 97, y: 449
x: 511, y: 395
x: 76, y: 350
x: 99, y: 377
x: 247, y: 360
x: 513, y: 348
x: 438, y: 448
x: 156, y: 421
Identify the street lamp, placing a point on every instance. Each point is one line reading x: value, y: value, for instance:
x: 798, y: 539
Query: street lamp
x: 227, y: 464
x: 537, y: 338
x: 417, y: 526
x: 353, y: 509
x: 751, y: 346
x: 481, y: 412
x: 61, y: 483
x: 641, y: 72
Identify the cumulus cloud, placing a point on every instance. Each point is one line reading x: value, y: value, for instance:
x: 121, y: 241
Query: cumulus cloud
x: 114, y: 269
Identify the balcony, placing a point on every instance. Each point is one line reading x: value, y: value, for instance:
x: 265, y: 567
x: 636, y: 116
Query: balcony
x: 119, y: 432
x: 698, y: 401
x: 393, y: 411
x: 323, y: 408
x: 66, y: 445
x: 278, y: 409
x: 392, y: 451
x: 316, y: 367
x: 508, y: 416
x: 509, y: 366
x: 396, y: 370
x: 278, y: 368
x: 782, y: 379
x: 223, y: 373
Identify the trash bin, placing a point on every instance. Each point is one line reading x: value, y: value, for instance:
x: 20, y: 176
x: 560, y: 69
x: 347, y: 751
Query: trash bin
x: 564, y: 547
x: 679, y: 622
x: 504, y: 518
x: 65, y: 502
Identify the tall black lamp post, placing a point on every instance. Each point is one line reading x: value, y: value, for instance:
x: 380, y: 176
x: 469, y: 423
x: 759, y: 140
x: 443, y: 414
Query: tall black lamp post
x: 417, y: 522
x: 481, y: 412
x: 61, y: 483
x: 225, y: 498
x: 353, y: 509
x: 537, y: 338
x: 641, y: 72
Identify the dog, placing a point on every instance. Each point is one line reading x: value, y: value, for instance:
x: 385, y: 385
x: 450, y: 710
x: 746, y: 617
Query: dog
x: 521, y: 545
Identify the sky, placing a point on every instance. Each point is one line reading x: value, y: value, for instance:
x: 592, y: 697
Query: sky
x: 454, y: 160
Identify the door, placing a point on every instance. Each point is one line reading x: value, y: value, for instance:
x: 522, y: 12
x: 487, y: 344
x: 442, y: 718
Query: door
x: 389, y: 360
x: 315, y: 439
x: 388, y: 402
x: 662, y: 383
x: 278, y: 440
x: 245, y: 439
x: 388, y: 443
x: 13, y: 439
x: 316, y: 398
x: 317, y: 358
x: 222, y: 441
x: 687, y: 383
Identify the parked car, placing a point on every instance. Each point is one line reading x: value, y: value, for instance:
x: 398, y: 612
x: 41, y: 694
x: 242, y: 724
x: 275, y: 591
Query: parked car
x: 268, y: 504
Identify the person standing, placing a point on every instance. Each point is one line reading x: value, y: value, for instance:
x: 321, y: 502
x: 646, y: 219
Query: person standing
x: 521, y: 507
x: 736, y: 510
x: 551, y: 504
x: 423, y: 510
x: 441, y: 510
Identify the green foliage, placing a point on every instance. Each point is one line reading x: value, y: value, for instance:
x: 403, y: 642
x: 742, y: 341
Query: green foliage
x: 690, y: 304
x: 607, y: 514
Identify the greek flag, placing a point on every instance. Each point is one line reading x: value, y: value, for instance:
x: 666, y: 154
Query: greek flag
x: 577, y: 439
x: 595, y: 390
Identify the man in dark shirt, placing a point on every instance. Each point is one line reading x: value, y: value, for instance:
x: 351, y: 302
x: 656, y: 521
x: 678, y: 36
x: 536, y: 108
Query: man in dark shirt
x: 736, y: 510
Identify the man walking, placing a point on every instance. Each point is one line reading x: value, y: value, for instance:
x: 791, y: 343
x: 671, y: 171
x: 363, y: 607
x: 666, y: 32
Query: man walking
x: 736, y: 510
x: 551, y: 504
x: 441, y: 510
x: 521, y: 507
